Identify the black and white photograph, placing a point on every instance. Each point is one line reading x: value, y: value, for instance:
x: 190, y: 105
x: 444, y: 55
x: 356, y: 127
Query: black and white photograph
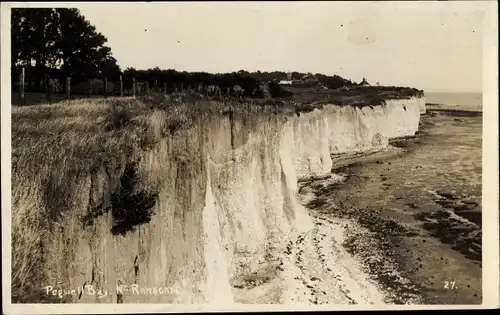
x: 308, y: 155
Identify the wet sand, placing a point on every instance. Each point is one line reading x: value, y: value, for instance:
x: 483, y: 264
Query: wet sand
x: 411, y: 214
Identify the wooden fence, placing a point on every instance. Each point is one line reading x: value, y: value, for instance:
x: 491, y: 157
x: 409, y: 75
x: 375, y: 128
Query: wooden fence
x: 53, y: 90
x: 53, y: 87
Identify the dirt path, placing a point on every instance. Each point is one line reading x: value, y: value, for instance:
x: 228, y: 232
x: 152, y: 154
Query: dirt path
x: 328, y: 273
x: 313, y: 269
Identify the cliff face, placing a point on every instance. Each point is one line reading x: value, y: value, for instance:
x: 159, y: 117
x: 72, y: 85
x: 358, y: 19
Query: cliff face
x: 421, y: 104
x: 206, y: 206
x: 314, y: 136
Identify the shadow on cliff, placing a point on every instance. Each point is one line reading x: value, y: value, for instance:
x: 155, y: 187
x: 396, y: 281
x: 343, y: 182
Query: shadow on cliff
x: 130, y: 208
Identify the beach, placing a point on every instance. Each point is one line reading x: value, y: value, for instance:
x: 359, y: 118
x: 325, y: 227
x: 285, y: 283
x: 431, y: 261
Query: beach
x: 411, y: 214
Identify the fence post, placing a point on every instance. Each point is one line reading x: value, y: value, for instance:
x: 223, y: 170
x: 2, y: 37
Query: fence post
x: 133, y: 87
x: 147, y: 88
x: 21, y: 85
x: 121, y: 85
x: 68, y: 87
x: 90, y: 87
x: 105, y: 86
x: 48, y: 88
x: 165, y: 88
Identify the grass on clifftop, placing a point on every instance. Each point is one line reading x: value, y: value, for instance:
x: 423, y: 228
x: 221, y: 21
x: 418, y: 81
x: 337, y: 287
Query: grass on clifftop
x: 354, y: 96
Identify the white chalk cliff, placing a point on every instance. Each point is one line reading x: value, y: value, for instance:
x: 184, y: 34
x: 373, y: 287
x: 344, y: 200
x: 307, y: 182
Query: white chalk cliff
x: 225, y: 202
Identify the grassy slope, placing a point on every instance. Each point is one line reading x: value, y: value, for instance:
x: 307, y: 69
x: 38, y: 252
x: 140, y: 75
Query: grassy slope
x: 53, y: 146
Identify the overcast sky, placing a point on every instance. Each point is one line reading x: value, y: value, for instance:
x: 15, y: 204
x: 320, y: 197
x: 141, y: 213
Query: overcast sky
x: 435, y: 46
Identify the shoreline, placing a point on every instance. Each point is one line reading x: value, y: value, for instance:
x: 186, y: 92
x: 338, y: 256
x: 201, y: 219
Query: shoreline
x: 456, y: 112
x: 454, y: 109
x: 428, y: 261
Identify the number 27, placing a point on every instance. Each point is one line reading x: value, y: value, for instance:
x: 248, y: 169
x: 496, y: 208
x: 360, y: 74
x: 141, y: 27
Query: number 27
x: 449, y: 284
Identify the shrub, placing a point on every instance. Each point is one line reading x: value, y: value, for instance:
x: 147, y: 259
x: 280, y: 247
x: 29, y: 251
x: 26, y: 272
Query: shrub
x: 118, y: 116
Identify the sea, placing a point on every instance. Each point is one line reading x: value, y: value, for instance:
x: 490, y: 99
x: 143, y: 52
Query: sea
x: 465, y: 100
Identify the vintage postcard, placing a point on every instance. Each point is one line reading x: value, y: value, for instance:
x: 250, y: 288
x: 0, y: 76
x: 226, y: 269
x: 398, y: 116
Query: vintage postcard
x: 249, y: 156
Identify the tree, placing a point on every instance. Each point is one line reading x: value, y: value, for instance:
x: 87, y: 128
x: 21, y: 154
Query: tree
x: 61, y: 39
x: 33, y: 33
x: 81, y: 48
x: 19, y: 42
x: 43, y: 33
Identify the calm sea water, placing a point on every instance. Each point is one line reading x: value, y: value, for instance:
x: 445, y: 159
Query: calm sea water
x: 462, y: 100
x: 462, y: 139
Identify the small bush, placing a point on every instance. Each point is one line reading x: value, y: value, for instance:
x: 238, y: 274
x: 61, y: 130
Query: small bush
x: 156, y: 100
x: 131, y: 208
x: 118, y: 116
x: 179, y: 117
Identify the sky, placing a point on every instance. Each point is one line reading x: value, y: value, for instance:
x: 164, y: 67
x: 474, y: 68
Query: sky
x: 434, y: 46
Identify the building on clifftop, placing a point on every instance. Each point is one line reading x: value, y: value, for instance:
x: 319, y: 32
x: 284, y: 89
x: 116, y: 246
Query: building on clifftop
x: 364, y: 83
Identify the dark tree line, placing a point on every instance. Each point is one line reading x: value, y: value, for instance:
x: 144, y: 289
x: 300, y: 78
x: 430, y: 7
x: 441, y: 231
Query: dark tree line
x: 60, y: 43
x: 249, y: 81
x: 176, y: 81
x: 332, y: 82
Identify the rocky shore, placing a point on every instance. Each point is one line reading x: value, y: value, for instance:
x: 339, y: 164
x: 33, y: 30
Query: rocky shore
x: 412, y: 212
